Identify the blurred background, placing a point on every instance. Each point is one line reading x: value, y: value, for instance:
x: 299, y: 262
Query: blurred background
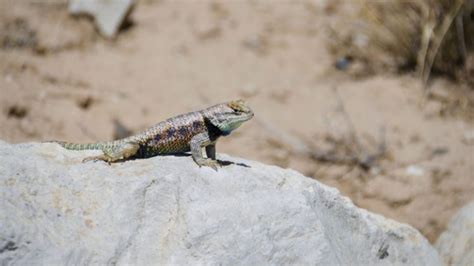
x: 374, y: 98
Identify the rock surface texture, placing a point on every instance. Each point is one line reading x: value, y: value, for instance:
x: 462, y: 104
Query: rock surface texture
x: 57, y: 210
x: 108, y: 15
x: 456, y: 244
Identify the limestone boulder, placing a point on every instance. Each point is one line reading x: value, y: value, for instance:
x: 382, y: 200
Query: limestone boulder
x: 56, y: 210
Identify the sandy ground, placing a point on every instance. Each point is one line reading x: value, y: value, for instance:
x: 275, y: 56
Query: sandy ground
x: 59, y: 80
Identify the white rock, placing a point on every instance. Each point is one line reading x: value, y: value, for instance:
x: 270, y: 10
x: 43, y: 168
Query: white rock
x: 456, y: 244
x: 415, y: 170
x: 468, y: 137
x: 56, y: 210
x: 108, y: 14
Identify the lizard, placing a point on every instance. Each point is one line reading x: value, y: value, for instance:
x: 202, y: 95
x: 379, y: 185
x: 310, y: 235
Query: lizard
x: 192, y: 132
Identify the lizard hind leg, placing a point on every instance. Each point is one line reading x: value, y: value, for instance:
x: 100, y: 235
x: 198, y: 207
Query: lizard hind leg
x: 116, y: 153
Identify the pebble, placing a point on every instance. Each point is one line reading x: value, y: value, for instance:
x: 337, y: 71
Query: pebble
x: 414, y: 170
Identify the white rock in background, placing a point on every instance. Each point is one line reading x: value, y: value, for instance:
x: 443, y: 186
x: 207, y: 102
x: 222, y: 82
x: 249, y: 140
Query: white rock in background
x: 108, y: 14
x: 415, y: 170
x: 56, y: 210
x: 456, y: 244
x: 468, y: 137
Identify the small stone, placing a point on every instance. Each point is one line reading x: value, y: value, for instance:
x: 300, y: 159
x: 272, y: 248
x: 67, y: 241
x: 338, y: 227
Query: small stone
x: 375, y: 170
x: 342, y: 63
x: 414, y: 170
x: 108, y: 15
x: 468, y: 137
x: 361, y: 40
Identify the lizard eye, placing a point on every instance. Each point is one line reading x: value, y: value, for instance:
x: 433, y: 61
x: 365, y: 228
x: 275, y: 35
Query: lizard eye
x: 237, y: 111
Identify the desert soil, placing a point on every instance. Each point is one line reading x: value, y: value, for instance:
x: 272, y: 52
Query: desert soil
x: 60, y: 80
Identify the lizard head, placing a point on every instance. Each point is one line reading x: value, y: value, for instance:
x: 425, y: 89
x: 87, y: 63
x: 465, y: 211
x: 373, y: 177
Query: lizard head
x: 229, y: 116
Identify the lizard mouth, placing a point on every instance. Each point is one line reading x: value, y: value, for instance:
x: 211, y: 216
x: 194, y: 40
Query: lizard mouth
x: 247, y: 116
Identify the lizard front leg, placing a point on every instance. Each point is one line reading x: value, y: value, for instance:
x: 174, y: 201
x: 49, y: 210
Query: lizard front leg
x: 197, y: 143
x: 116, y: 153
x: 211, y: 151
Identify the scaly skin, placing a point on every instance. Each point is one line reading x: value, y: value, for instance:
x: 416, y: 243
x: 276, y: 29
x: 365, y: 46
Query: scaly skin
x: 188, y: 132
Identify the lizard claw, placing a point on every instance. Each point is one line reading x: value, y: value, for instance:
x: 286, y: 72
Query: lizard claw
x: 90, y: 159
x: 210, y: 163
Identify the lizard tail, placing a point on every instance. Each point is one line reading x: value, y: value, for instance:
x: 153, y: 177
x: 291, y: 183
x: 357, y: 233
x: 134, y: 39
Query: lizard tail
x: 78, y: 146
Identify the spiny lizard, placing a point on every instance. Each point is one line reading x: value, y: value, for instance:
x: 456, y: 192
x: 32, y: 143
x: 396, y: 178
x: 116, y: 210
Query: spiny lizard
x: 187, y: 132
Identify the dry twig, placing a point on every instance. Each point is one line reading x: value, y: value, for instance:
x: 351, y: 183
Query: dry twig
x: 437, y: 40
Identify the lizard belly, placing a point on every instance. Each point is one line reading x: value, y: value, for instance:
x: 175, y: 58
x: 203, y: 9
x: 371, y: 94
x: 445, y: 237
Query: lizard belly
x: 167, y: 146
